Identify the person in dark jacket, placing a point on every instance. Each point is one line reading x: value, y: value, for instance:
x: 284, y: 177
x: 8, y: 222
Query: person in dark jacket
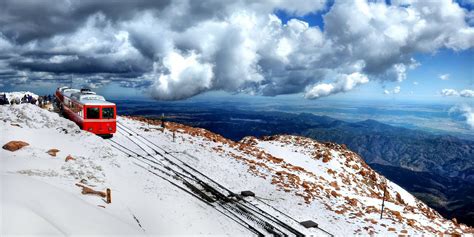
x: 40, y: 101
x: 3, y: 99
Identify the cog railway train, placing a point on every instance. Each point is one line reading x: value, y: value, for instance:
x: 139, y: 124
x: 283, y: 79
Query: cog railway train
x: 91, y: 112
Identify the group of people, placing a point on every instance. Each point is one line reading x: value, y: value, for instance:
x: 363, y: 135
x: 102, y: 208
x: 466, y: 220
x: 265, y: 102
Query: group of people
x: 44, y: 100
x: 27, y: 98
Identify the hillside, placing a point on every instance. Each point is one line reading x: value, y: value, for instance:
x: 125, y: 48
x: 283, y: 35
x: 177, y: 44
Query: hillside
x: 294, y: 178
x: 445, y: 158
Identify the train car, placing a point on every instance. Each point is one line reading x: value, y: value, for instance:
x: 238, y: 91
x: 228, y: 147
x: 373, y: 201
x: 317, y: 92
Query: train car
x: 91, y: 112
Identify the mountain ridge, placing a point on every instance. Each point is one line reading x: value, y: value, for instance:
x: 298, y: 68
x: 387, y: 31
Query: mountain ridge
x: 288, y: 182
x: 452, y: 156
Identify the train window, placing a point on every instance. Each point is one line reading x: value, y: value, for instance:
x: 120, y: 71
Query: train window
x: 107, y: 113
x: 93, y: 113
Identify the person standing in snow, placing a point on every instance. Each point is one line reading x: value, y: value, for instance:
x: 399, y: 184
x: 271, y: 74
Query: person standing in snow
x: 3, y: 99
x: 162, y: 118
x: 40, y: 101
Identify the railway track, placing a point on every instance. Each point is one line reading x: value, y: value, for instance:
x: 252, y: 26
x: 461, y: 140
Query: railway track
x: 164, y: 164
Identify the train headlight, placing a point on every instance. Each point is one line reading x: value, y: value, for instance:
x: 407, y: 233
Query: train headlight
x: 110, y: 129
x: 90, y: 129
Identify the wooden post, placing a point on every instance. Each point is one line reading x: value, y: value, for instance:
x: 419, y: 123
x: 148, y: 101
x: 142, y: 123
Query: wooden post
x: 383, y: 199
x: 109, y: 195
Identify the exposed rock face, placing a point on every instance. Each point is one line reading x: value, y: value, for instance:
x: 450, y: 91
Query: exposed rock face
x: 14, y: 145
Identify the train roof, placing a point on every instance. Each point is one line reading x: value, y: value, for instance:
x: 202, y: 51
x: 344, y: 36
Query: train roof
x: 96, y: 102
x: 68, y: 92
x: 90, y: 98
x: 85, y: 97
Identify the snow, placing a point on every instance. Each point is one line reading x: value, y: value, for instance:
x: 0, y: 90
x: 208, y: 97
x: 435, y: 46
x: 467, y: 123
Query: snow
x: 160, y: 208
x: 47, y: 210
x: 39, y: 195
x: 17, y: 95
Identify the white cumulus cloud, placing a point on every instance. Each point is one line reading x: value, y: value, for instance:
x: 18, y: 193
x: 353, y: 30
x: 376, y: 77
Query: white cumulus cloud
x: 396, y: 90
x: 467, y: 93
x: 186, y: 77
x: 449, y: 92
x: 466, y: 111
x: 444, y: 77
x: 343, y: 84
x: 463, y: 93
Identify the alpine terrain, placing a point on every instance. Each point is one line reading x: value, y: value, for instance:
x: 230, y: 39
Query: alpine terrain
x: 149, y: 179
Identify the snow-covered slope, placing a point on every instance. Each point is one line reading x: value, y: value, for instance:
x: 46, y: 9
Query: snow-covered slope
x: 141, y: 204
x: 305, y: 179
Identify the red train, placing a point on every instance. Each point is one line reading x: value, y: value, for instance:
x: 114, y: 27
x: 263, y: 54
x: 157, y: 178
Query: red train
x: 88, y: 110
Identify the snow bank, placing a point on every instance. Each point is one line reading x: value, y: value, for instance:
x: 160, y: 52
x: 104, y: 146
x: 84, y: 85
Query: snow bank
x: 33, y: 207
x: 31, y: 116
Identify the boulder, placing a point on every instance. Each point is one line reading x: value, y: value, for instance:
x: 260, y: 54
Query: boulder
x: 52, y: 152
x: 69, y: 157
x: 14, y: 145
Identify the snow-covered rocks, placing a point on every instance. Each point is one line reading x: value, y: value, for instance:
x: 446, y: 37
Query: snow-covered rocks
x: 84, y: 168
x: 31, y: 116
x: 324, y: 182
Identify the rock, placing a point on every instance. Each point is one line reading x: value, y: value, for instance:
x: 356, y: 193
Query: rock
x: 334, y: 184
x: 335, y: 194
x: 326, y: 158
x: 88, y: 190
x: 14, y: 145
x: 69, y: 157
x: 399, y: 198
x: 52, y: 152
x: 397, y: 215
x: 353, y: 202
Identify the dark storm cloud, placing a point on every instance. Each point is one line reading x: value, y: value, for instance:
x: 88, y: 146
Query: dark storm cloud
x: 26, y: 20
x: 178, y: 49
x: 83, y: 65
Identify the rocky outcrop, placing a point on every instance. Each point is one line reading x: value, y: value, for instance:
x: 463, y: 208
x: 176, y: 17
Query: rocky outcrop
x: 14, y: 145
x: 52, y: 152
